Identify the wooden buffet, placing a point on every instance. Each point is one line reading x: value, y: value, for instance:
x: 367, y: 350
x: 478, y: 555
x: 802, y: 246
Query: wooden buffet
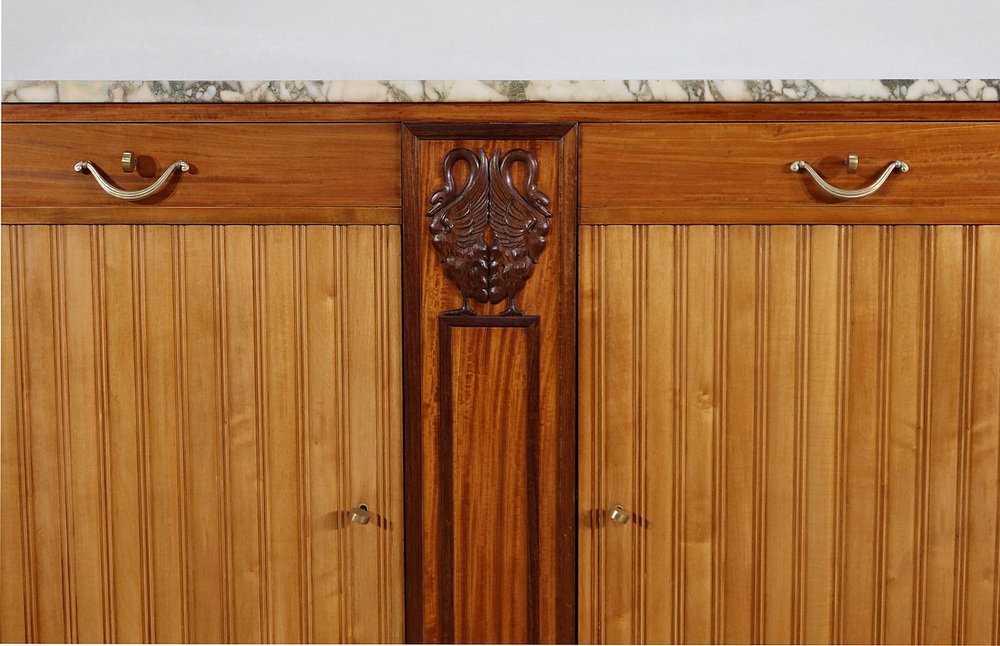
x: 238, y: 410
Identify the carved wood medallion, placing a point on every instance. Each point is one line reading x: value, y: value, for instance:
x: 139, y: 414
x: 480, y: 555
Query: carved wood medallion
x: 489, y: 234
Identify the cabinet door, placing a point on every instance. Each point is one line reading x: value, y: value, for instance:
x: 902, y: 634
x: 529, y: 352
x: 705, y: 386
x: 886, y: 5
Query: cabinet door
x: 802, y: 421
x: 190, y: 413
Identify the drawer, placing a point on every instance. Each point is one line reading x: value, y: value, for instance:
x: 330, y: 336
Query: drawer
x: 231, y: 165
x: 734, y: 167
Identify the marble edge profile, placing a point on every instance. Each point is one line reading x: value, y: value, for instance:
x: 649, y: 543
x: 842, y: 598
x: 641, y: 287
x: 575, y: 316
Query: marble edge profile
x: 499, y: 91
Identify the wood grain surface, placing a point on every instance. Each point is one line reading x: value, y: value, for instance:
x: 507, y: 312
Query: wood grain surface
x: 189, y: 413
x: 803, y: 420
x: 477, y: 113
x: 488, y: 498
x: 662, y: 166
x: 549, y: 294
x: 805, y: 423
x: 232, y: 165
x: 161, y: 214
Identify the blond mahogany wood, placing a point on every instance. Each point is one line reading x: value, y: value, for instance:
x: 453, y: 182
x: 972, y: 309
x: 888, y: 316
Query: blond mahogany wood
x: 189, y: 415
x: 504, y: 112
x: 816, y: 214
x: 805, y: 423
x: 667, y: 166
x: 232, y: 165
x: 549, y: 295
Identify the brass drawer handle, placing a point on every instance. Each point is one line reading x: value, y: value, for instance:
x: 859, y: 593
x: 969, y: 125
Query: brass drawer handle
x: 112, y: 190
x: 848, y: 194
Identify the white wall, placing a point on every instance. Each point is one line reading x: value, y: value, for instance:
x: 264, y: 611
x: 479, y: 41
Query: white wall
x: 523, y: 39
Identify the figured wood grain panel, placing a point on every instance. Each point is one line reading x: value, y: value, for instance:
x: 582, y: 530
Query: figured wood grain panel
x: 232, y: 165
x: 660, y: 166
x: 826, y: 470
x: 494, y: 485
x: 190, y: 413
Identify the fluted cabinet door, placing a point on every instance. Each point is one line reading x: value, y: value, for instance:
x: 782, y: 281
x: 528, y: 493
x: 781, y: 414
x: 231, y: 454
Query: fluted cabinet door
x: 804, y: 423
x: 189, y: 415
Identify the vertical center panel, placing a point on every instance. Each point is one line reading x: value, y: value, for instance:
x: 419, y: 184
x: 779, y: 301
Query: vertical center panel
x: 490, y: 367
x: 488, y: 442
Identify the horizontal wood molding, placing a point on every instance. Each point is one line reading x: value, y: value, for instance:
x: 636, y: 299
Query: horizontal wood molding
x: 231, y: 165
x: 189, y: 414
x: 137, y: 214
x: 844, y: 213
x: 491, y: 130
x: 482, y: 112
x: 805, y: 424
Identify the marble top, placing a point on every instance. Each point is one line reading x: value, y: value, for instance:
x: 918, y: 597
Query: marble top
x: 498, y: 91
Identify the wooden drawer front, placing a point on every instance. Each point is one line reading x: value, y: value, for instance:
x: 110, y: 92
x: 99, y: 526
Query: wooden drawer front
x: 730, y: 166
x: 232, y: 165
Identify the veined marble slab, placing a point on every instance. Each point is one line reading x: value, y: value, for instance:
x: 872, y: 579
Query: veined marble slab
x: 499, y: 91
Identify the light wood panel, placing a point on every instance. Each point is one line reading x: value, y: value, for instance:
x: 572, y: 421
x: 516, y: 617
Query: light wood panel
x: 232, y: 165
x: 805, y: 422
x: 665, y: 167
x: 189, y: 415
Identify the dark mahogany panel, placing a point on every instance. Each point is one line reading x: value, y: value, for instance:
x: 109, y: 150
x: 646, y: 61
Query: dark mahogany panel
x: 490, y: 400
x: 488, y: 444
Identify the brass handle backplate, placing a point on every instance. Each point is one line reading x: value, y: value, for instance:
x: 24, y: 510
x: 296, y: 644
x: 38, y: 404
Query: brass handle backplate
x: 852, y: 162
x: 129, y: 161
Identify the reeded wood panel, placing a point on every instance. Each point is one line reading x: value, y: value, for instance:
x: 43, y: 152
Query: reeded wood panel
x: 805, y: 422
x: 189, y: 413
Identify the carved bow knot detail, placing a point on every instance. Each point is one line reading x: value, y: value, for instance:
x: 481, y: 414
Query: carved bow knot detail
x: 489, y: 234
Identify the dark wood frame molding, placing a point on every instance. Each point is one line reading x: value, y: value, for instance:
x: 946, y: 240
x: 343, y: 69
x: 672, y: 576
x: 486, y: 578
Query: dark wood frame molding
x: 443, y: 115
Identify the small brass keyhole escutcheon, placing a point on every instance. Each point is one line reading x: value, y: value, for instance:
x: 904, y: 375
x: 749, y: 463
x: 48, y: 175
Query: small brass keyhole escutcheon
x: 360, y: 514
x: 619, y: 514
